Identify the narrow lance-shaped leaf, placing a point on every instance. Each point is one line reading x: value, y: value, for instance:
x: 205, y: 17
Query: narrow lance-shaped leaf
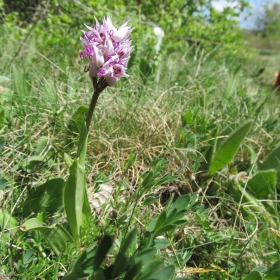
x: 229, y: 148
x: 74, y: 198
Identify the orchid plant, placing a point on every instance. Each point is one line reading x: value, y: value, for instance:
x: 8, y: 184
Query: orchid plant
x: 108, y: 51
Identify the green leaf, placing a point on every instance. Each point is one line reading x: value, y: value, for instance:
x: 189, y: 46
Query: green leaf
x: 164, y: 229
x: 102, y: 250
x: 83, y: 266
x: 3, y: 183
x: 41, y: 145
x: 67, y: 160
x: 133, y: 270
x: 272, y: 161
x: 160, y: 220
x: 150, y: 199
x: 262, y: 183
x: 165, y: 179
x: 144, y: 256
x: 149, y: 269
x: 2, y: 144
x: 166, y: 273
x: 180, y: 204
x: 47, y: 198
x: 129, y: 240
x: 74, y: 198
x: 33, y: 162
x: 56, y: 235
x: 82, y: 145
x: 228, y: 148
x: 161, y: 243
x: 254, y: 275
x: 120, y: 265
x: 273, y: 273
x: 28, y: 256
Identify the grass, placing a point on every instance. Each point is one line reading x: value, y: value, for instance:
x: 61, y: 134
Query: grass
x: 163, y: 124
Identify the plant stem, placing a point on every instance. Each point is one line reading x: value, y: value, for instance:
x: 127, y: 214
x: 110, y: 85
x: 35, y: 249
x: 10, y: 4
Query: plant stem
x: 98, y: 88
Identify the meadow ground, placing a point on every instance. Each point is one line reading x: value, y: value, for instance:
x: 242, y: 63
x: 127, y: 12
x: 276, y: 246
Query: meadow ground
x: 186, y: 151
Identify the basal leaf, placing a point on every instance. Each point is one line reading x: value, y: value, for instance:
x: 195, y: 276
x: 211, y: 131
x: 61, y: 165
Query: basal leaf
x: 272, y: 161
x: 254, y: 275
x: 262, y: 183
x: 102, y: 250
x: 56, y: 235
x: 47, y: 198
x: 229, y: 148
x: 129, y: 240
x: 166, y: 273
x: 74, y: 198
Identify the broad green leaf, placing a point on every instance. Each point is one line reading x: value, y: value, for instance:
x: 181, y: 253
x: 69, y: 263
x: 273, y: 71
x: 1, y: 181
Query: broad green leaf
x: 3, y: 183
x: 149, y: 269
x: 161, y: 243
x: 166, y: 273
x: 144, y: 256
x: 164, y: 229
x: 254, y: 275
x: 229, y: 148
x: 133, y: 270
x: 129, y: 240
x: 41, y: 145
x: 262, y: 183
x: 74, y: 194
x: 47, y: 198
x: 273, y: 273
x: 160, y: 220
x: 272, y: 161
x: 102, y: 250
x: 165, y: 179
x: 152, y: 225
x: 28, y: 256
x: 171, y: 216
x: 56, y: 235
x: 180, y: 204
x: 120, y: 265
x: 33, y: 162
x: 150, y: 199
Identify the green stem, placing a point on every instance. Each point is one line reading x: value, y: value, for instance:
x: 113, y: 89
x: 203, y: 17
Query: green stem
x: 82, y: 146
x: 98, y: 88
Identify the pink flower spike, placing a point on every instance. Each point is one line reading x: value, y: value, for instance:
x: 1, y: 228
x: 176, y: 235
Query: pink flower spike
x: 111, y: 81
x: 97, y: 57
x: 108, y: 49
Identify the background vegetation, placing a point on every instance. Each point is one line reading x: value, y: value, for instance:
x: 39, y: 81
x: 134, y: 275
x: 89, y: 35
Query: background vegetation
x: 183, y: 156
